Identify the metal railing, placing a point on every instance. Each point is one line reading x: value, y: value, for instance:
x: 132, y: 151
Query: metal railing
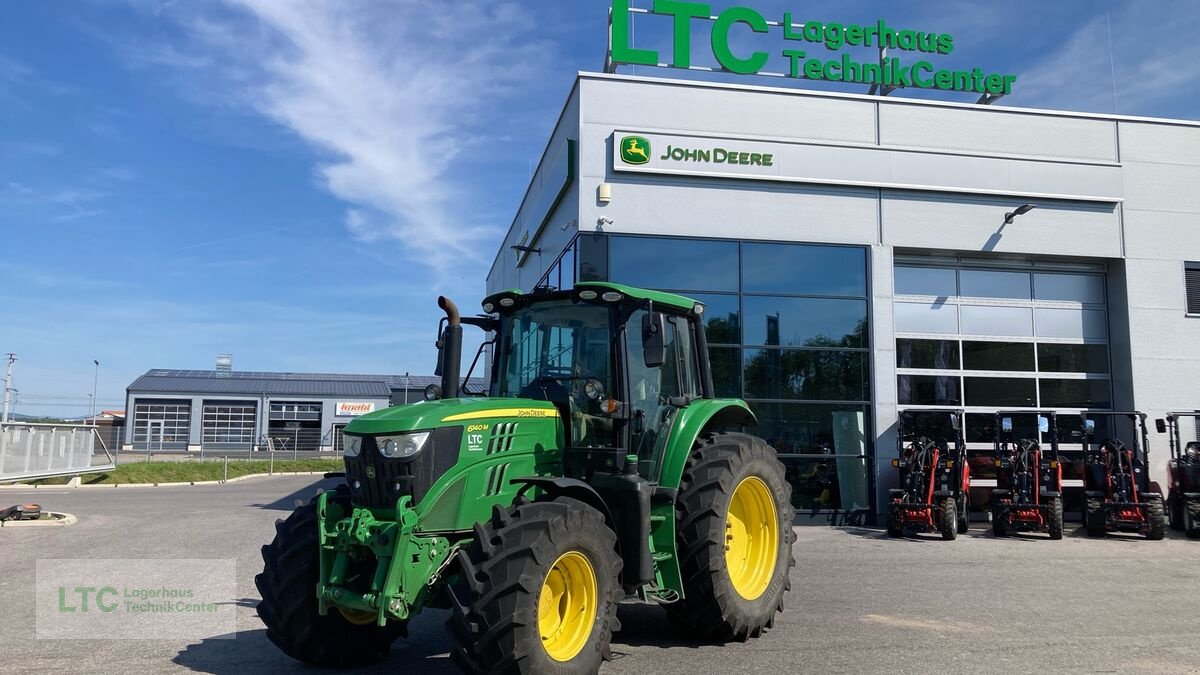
x: 31, y: 451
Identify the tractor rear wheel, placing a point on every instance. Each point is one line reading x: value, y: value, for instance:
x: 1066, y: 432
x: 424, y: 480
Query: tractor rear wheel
x: 289, y: 607
x: 964, y: 514
x: 999, y: 523
x: 895, y: 527
x: 538, y: 591
x: 1191, y: 518
x: 1054, y: 520
x: 1156, y: 518
x: 734, y: 538
x: 948, y: 519
x: 1094, y: 518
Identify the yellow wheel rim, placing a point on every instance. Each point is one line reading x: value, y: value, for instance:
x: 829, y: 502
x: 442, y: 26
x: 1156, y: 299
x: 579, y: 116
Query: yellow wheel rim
x: 751, y: 538
x: 567, y: 606
x: 358, y: 617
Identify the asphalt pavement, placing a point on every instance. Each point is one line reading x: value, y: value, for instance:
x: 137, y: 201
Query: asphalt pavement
x: 861, y: 603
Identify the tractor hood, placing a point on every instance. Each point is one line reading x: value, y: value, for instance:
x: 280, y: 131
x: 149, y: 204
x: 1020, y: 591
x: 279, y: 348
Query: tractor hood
x: 445, y: 412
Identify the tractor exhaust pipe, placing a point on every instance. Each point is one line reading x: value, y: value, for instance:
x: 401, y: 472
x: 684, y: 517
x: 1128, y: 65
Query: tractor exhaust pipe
x: 451, y: 352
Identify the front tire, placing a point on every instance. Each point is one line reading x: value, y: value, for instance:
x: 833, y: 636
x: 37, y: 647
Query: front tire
x: 734, y: 538
x: 1094, y: 519
x: 895, y: 527
x: 539, y: 591
x: 964, y: 516
x: 1054, y: 520
x: 289, y: 608
x: 1191, y: 510
x: 1156, y: 519
x: 947, y: 517
x: 1178, y: 512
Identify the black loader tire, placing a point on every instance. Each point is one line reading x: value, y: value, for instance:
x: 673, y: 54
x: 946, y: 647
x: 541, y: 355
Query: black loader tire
x: 1094, y: 518
x: 713, y: 608
x: 1054, y: 519
x: 288, y: 608
x: 999, y: 524
x: 964, y: 514
x: 895, y: 527
x: 947, y: 519
x: 1156, y: 518
x: 1191, y: 510
x: 1176, y: 508
x: 494, y: 618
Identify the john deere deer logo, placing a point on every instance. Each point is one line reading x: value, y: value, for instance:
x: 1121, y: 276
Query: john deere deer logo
x: 635, y: 150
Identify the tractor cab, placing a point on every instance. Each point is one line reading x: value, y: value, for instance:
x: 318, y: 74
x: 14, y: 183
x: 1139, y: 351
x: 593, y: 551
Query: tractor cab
x: 1183, y: 473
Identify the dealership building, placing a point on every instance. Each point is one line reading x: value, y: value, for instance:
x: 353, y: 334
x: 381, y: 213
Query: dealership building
x: 228, y: 410
x: 861, y: 255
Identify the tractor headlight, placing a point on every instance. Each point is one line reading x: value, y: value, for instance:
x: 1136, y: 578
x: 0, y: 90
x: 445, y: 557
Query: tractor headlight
x: 351, y: 445
x: 402, y: 445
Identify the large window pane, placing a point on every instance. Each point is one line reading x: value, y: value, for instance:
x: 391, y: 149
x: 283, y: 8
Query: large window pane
x: 812, y: 428
x: 804, y: 269
x: 926, y: 281
x: 1072, y: 323
x: 1056, y: 358
x: 726, y: 363
x: 721, y: 324
x: 919, y: 317
x: 928, y: 390
x: 1001, y: 391
x: 676, y: 264
x: 991, y: 320
x: 1076, y: 393
x: 805, y: 322
x: 937, y: 354
x: 827, y: 483
x: 997, y: 356
x: 986, y: 284
x: 817, y: 375
x: 593, y: 257
x: 1083, y: 288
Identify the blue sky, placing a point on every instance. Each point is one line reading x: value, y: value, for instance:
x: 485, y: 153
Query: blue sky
x: 295, y: 182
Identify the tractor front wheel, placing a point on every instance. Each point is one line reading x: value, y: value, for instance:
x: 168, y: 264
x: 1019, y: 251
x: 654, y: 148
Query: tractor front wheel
x: 964, y: 514
x: 999, y: 523
x: 1054, y: 520
x: 1156, y: 518
x: 1177, y: 510
x: 1191, y: 511
x: 734, y: 538
x: 289, y: 608
x: 895, y: 526
x: 538, y: 591
x: 948, y: 519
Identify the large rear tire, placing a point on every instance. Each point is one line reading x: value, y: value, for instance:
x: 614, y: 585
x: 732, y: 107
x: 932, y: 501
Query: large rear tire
x: 1054, y: 520
x: 289, y: 605
x: 947, y: 519
x: 1156, y: 518
x: 1094, y: 518
x: 734, y: 538
x: 538, y: 592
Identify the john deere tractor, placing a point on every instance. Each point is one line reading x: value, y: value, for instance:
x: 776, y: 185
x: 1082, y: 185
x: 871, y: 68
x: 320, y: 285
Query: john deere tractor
x: 597, y: 466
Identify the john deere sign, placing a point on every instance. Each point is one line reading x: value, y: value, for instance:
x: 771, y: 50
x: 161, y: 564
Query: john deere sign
x: 635, y: 150
x: 796, y: 42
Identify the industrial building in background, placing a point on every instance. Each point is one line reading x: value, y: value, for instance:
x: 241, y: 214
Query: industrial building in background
x: 228, y: 410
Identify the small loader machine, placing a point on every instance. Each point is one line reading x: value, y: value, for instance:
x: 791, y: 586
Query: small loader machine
x: 1183, y: 475
x: 1119, y: 495
x: 1028, y: 497
x: 596, y: 467
x: 935, y: 479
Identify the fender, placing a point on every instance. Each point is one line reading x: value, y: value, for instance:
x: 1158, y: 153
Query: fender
x: 565, y: 487
x: 690, y: 422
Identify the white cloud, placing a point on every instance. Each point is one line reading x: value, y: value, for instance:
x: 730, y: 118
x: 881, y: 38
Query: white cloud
x: 390, y: 95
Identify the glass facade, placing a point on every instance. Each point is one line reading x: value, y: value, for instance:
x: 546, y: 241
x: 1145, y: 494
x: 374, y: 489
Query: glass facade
x: 787, y: 327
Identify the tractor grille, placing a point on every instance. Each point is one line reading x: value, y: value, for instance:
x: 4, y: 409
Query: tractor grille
x: 381, y: 481
x: 502, y: 437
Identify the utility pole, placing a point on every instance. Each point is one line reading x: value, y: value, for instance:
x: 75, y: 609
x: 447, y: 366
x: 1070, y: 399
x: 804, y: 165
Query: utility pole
x: 12, y: 358
x: 95, y: 382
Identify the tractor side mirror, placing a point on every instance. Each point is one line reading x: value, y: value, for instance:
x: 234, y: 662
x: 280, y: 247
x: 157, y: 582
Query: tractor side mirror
x: 954, y: 423
x: 1006, y: 424
x: 1161, y: 425
x: 1089, y: 427
x: 1043, y: 424
x: 654, y: 348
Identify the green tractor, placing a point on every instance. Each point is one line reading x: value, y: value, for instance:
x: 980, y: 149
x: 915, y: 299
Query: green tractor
x: 596, y: 467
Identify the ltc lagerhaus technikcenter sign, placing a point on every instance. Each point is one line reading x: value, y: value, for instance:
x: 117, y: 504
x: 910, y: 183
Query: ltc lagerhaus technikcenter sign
x: 798, y: 39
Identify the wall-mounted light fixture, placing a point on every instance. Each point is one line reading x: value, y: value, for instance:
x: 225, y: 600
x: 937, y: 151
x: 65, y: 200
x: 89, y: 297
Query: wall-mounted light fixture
x: 1019, y: 211
x: 525, y: 249
x: 604, y: 193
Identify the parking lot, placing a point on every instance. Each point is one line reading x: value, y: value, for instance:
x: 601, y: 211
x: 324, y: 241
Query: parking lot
x: 860, y: 602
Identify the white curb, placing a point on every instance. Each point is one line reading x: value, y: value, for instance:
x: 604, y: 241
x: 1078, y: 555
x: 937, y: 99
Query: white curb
x: 74, y: 485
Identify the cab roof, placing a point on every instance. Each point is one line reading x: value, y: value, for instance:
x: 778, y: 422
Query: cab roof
x: 658, y: 297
